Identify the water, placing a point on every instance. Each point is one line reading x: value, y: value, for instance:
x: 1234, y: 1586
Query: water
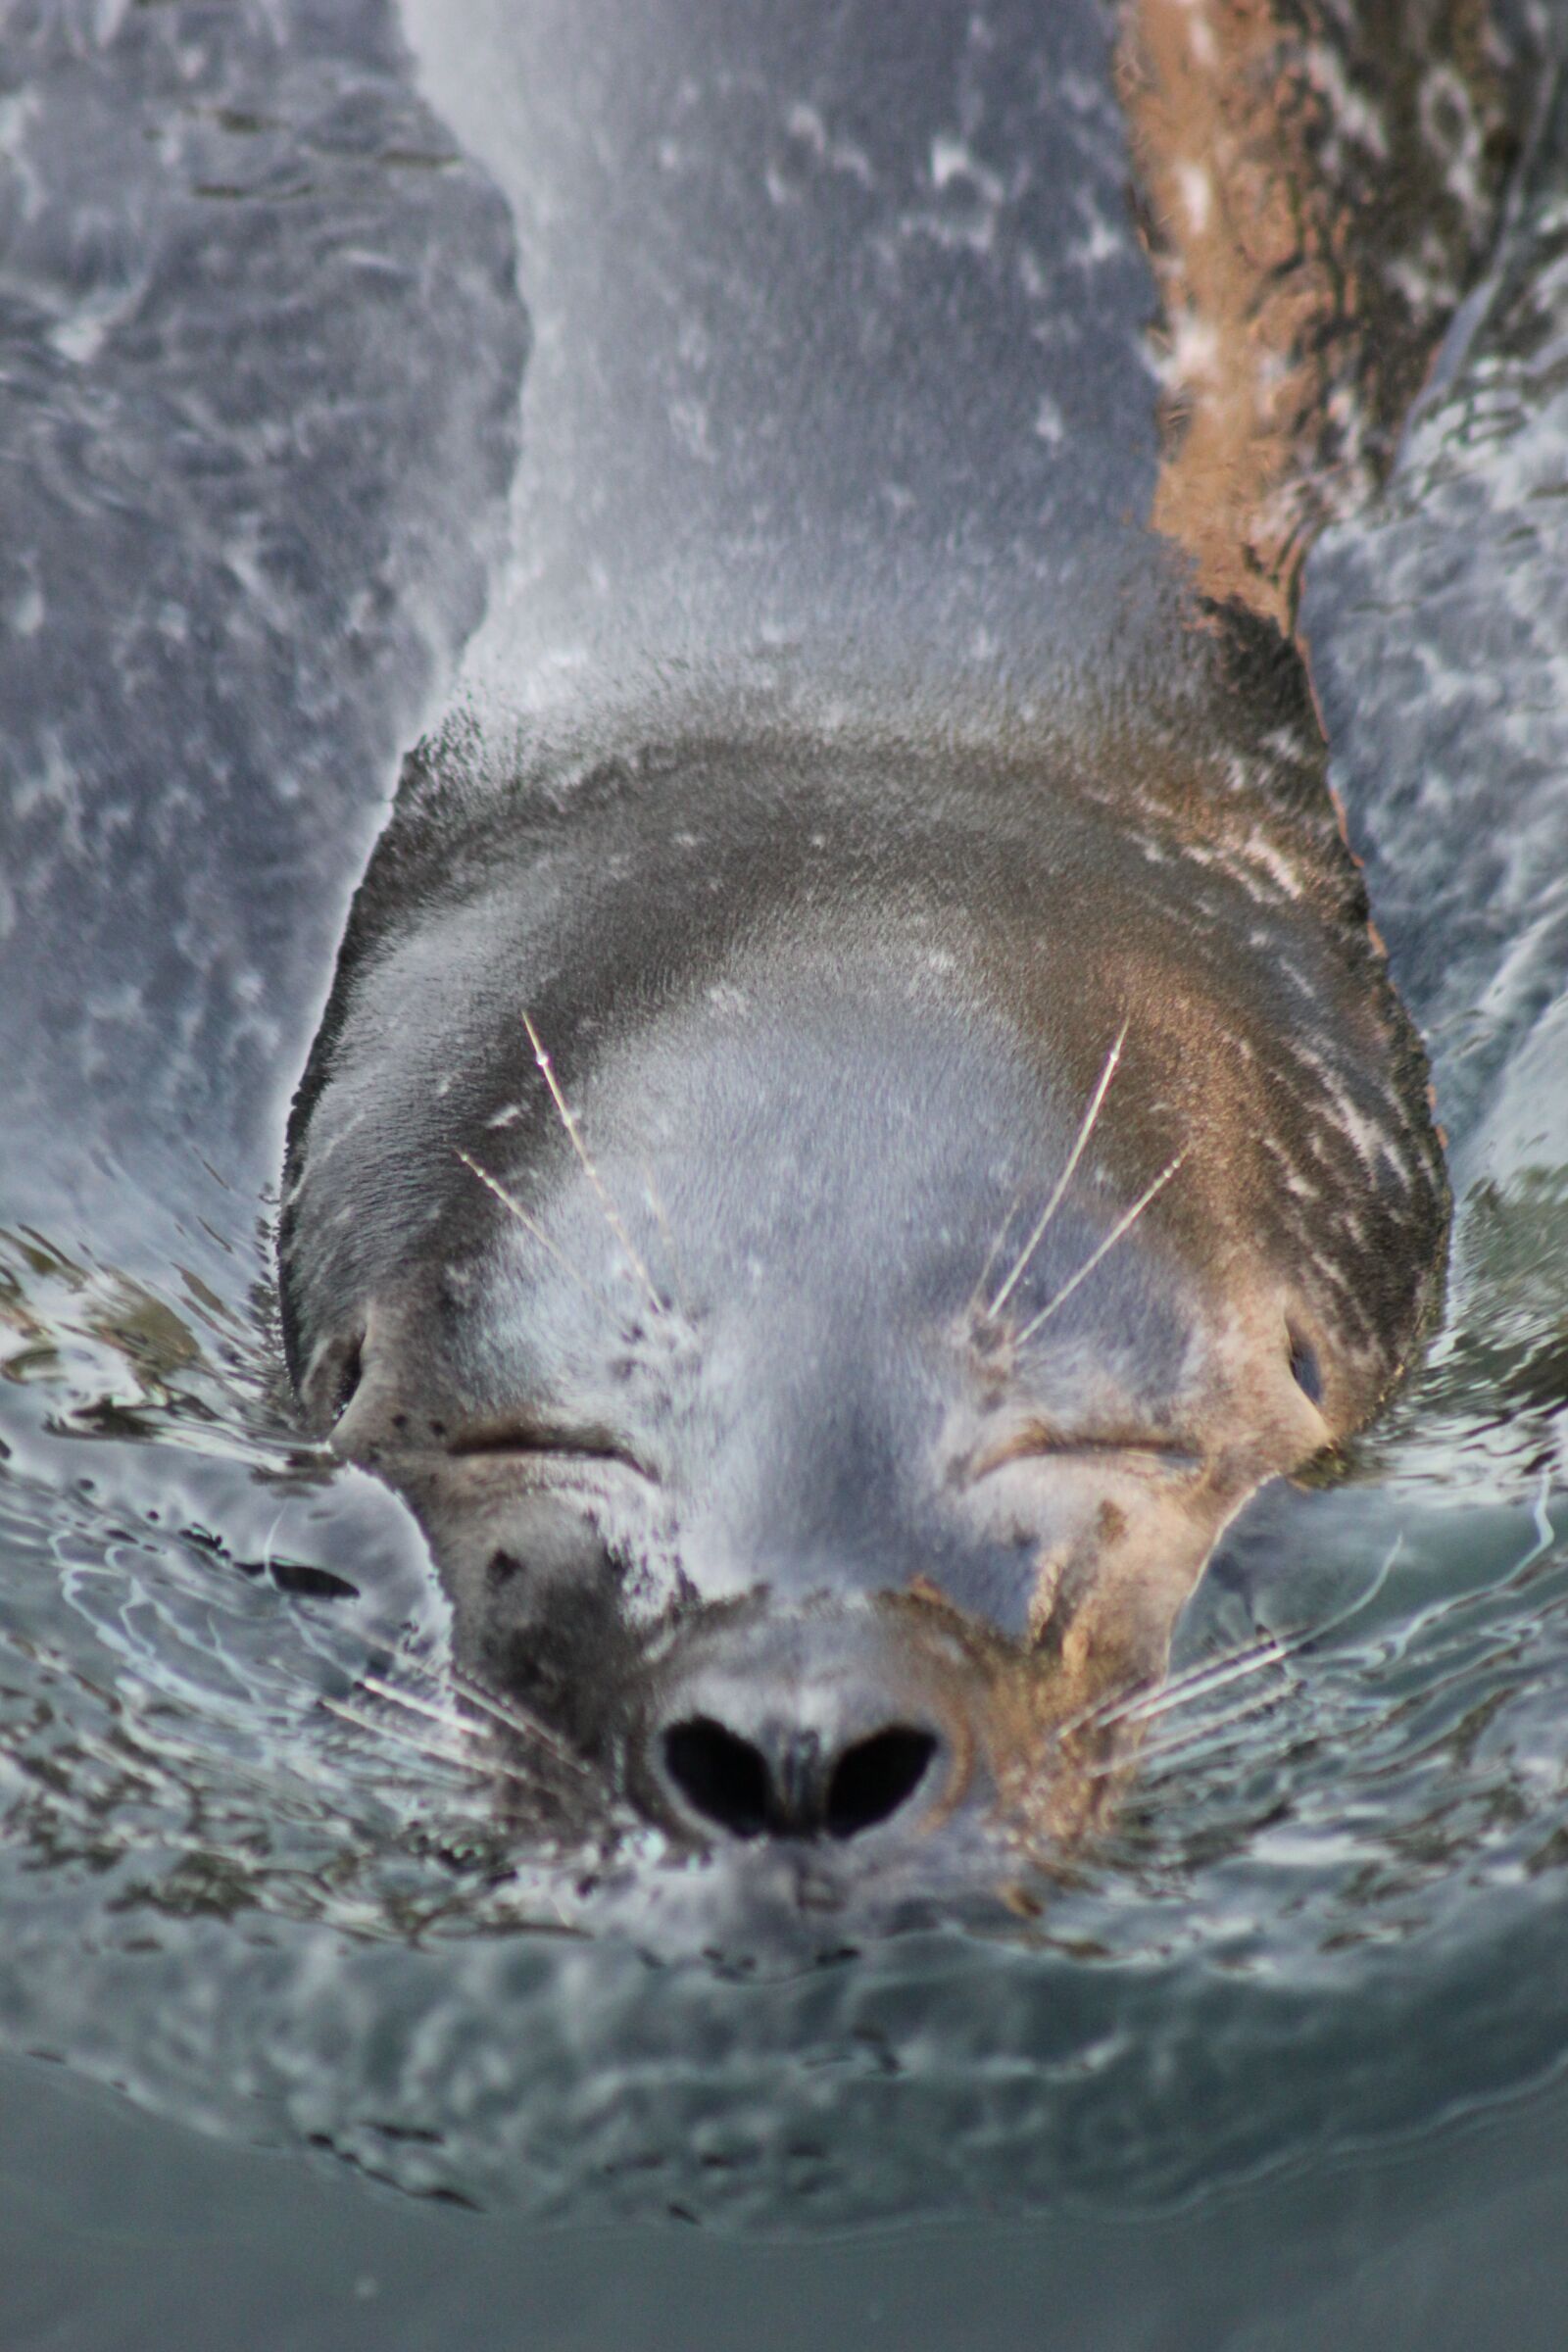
x: 1282, y: 2054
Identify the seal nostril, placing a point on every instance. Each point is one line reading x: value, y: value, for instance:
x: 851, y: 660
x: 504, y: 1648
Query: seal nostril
x: 722, y: 1777
x: 872, y: 1780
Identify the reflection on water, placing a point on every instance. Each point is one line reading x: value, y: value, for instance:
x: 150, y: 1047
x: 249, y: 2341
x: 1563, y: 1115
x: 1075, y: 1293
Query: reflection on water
x: 233, y: 1783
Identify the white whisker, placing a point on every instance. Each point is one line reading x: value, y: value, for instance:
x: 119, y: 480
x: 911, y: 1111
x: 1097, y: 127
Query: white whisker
x: 1162, y: 1751
x: 510, y: 1714
x: 667, y: 1236
x: 1122, y: 1226
x: 1152, y: 1700
x: 1085, y: 1131
x: 447, y: 1716
x: 568, y: 1120
x: 1142, y: 1706
x: 363, y: 1721
x: 1364, y: 1601
x: 513, y: 1716
x: 479, y: 1768
x: 1003, y: 1230
x: 530, y: 1224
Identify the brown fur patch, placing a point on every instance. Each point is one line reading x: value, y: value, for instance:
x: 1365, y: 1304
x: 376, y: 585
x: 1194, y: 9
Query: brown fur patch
x: 1317, y: 191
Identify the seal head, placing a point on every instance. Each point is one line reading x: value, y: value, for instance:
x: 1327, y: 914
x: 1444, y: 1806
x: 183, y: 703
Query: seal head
x: 825, y: 1231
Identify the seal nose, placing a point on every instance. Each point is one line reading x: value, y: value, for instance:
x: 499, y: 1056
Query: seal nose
x: 800, y: 1728
x: 784, y: 1783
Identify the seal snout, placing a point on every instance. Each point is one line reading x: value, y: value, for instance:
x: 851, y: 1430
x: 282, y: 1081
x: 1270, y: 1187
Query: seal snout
x: 785, y: 1785
x: 800, y: 1729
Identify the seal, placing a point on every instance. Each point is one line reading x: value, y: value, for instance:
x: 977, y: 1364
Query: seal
x: 826, y: 1200
x: 825, y: 1236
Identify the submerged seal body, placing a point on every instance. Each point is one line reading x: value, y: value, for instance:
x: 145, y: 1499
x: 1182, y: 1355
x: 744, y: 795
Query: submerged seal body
x: 826, y: 1202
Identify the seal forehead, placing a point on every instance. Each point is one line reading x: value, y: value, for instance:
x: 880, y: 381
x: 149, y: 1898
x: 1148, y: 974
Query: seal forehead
x: 860, y: 1137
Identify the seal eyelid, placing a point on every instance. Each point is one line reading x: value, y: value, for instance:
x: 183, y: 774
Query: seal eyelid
x: 1043, y: 1441
x: 539, y: 1440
